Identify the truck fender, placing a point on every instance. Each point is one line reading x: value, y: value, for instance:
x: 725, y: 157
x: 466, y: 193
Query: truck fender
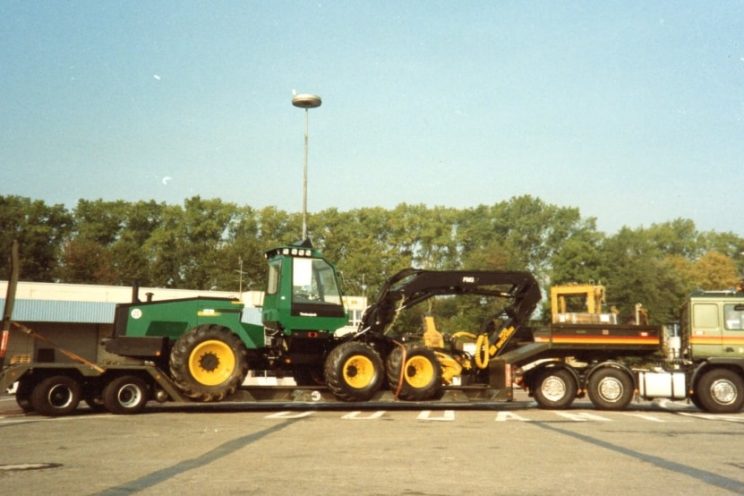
x: 735, y: 364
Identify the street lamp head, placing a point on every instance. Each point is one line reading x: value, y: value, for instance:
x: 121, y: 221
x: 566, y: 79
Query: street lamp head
x: 306, y: 101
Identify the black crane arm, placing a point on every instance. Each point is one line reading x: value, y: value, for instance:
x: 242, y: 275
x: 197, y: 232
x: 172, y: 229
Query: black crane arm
x: 410, y: 287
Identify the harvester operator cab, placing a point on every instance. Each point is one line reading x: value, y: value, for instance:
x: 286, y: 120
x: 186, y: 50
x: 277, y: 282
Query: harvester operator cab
x: 303, y: 294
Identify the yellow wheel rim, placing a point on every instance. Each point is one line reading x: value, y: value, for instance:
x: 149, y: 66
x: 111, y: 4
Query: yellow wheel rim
x: 481, y: 351
x: 359, y: 371
x: 419, y: 372
x: 211, y: 363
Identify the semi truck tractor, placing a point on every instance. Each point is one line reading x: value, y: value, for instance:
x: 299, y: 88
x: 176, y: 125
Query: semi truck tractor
x: 201, y: 349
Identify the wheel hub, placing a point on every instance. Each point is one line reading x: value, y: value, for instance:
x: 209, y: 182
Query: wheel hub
x: 60, y: 396
x: 209, y: 362
x: 723, y: 392
x: 212, y: 362
x: 610, y: 389
x: 553, y: 388
x: 129, y: 395
x: 359, y: 371
x: 419, y: 372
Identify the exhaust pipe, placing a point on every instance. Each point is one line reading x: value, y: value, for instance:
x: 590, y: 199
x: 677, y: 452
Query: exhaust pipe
x: 135, y: 292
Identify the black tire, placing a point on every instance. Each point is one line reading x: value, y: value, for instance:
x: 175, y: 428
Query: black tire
x: 422, y: 373
x: 354, y: 371
x: 208, y: 363
x: 127, y: 394
x: 56, y: 396
x: 720, y: 391
x: 23, y: 395
x: 610, y: 389
x: 555, y: 389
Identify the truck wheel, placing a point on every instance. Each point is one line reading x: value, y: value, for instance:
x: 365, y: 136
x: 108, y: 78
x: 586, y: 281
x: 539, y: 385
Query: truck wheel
x: 354, y: 371
x: 127, y: 394
x: 422, y: 373
x: 555, y: 389
x: 720, y: 391
x: 208, y: 363
x: 23, y: 395
x: 55, y: 396
x: 610, y: 389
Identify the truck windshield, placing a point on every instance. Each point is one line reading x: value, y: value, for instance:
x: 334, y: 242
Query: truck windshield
x: 314, y: 281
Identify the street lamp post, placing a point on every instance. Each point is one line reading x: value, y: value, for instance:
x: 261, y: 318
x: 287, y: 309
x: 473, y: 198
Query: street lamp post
x: 305, y: 101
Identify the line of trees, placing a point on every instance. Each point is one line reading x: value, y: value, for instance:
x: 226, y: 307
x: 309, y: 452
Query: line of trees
x: 201, y: 244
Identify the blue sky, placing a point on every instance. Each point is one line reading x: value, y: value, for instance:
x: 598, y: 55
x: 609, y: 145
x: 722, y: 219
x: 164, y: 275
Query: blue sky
x: 631, y: 111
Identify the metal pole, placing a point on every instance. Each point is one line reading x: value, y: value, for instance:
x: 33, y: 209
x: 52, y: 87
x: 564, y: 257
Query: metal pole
x: 9, y: 300
x: 304, y: 178
x: 305, y: 101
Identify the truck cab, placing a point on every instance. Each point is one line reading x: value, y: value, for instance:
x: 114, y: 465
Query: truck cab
x: 713, y: 325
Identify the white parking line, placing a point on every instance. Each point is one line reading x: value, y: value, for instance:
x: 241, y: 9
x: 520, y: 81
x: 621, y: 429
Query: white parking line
x: 582, y: 417
x: 447, y: 416
x: 504, y: 416
x: 717, y: 416
x: 289, y: 415
x: 650, y: 418
x: 357, y: 415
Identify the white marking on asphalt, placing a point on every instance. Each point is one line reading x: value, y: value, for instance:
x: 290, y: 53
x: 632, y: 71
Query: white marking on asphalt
x: 504, y: 416
x: 582, y: 417
x: 447, y: 416
x: 289, y: 415
x: 650, y: 418
x: 717, y: 416
x: 357, y: 415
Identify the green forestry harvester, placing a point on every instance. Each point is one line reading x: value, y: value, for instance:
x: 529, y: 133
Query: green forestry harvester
x: 208, y: 348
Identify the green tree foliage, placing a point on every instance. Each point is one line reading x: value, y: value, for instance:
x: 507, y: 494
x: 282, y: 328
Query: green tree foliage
x: 40, y: 230
x: 202, y: 243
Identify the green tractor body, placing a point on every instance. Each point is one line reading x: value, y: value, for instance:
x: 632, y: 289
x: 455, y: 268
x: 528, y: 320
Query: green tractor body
x: 195, y: 337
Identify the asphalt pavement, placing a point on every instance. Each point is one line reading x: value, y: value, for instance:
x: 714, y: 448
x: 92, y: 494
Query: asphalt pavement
x: 503, y: 448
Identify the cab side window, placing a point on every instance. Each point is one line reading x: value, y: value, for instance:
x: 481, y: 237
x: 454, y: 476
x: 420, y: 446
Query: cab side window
x: 734, y: 316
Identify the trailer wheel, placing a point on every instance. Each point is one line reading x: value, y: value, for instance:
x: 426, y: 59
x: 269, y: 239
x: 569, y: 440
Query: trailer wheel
x: 208, y: 363
x: 23, y: 395
x: 610, y: 389
x: 55, y: 396
x: 126, y: 395
x: 422, y: 373
x: 720, y: 391
x: 354, y: 371
x: 555, y: 389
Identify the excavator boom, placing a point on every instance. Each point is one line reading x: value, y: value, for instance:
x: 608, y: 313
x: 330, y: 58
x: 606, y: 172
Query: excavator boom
x: 410, y: 287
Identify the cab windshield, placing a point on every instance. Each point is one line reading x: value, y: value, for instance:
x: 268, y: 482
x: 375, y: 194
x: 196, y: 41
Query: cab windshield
x: 314, y: 281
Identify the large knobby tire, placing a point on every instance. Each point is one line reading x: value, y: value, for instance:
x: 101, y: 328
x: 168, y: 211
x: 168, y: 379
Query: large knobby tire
x: 354, y: 371
x: 127, y: 394
x: 208, y: 363
x: 555, y: 389
x: 720, y: 391
x: 610, y: 389
x: 422, y: 373
x: 55, y: 396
